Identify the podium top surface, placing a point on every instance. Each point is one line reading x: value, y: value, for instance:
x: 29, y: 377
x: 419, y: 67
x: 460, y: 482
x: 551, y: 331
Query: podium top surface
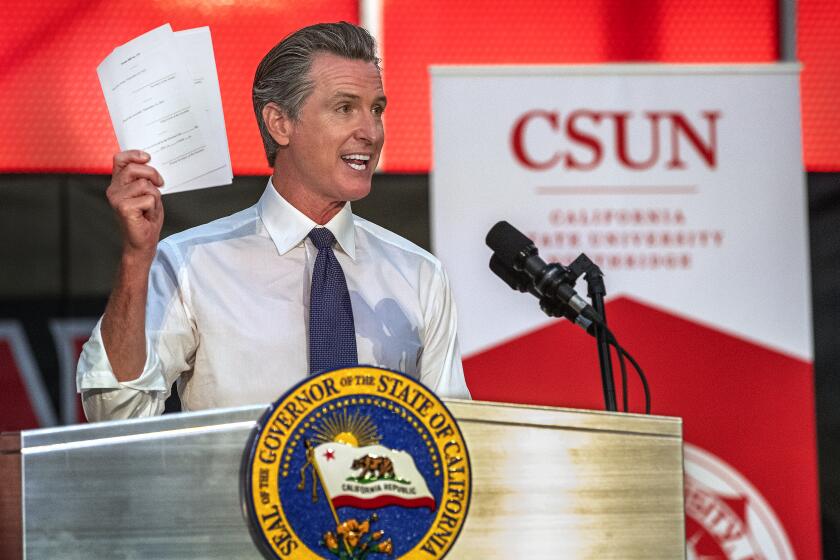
x: 176, y: 425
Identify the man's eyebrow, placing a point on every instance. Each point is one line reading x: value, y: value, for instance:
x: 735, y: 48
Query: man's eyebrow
x: 343, y: 95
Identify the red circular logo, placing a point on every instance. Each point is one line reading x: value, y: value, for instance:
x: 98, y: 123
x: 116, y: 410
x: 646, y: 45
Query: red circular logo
x: 726, y: 517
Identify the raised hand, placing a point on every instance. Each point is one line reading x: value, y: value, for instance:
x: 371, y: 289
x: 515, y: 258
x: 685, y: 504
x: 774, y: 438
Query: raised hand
x: 134, y: 194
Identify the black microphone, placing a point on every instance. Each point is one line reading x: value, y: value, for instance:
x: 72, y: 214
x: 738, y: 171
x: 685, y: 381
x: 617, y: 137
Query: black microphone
x: 516, y: 251
x: 521, y: 282
x: 518, y: 281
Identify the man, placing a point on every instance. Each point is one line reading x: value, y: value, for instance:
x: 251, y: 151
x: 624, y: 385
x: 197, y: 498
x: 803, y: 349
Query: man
x: 240, y: 309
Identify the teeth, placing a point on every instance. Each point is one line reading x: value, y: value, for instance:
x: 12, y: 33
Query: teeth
x: 356, y: 156
x: 356, y: 166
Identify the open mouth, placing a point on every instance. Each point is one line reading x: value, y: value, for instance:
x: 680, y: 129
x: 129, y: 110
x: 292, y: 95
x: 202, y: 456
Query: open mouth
x: 359, y: 162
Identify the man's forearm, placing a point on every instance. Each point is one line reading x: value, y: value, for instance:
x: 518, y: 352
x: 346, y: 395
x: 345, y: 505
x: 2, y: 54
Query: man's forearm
x: 124, y: 322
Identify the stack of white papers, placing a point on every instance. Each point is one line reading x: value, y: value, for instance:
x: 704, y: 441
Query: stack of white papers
x: 162, y: 92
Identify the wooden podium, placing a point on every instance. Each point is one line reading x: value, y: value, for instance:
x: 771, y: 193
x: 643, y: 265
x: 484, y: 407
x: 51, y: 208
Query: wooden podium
x: 547, y: 483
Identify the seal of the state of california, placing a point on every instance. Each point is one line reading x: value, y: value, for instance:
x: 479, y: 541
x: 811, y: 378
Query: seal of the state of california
x: 356, y: 463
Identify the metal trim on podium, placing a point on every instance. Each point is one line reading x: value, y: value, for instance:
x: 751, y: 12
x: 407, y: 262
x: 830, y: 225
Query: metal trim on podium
x: 547, y: 483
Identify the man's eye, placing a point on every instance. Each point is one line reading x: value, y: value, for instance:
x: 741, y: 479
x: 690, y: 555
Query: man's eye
x: 378, y: 110
x: 344, y: 108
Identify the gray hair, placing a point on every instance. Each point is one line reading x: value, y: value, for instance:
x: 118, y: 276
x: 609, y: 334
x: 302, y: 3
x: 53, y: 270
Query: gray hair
x: 283, y: 74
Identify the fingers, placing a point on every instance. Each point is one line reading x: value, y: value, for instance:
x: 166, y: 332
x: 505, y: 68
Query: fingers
x: 138, y: 187
x: 121, y: 159
x: 121, y: 198
x: 133, y: 179
x: 146, y: 204
x: 133, y: 171
x: 134, y: 194
x: 131, y: 165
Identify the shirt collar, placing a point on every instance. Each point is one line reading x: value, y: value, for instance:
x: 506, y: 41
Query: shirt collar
x: 287, y: 226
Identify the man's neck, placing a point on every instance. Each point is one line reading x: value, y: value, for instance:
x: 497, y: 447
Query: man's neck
x: 313, y: 207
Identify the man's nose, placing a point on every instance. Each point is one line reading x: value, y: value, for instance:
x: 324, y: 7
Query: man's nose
x: 369, y: 128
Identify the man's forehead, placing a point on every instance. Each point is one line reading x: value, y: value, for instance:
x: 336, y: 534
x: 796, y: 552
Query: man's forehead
x: 338, y: 75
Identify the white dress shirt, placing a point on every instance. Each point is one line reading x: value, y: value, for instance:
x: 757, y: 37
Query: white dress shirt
x: 228, y: 311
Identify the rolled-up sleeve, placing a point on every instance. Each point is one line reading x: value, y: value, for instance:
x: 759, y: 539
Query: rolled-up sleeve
x: 170, y: 350
x: 441, y: 367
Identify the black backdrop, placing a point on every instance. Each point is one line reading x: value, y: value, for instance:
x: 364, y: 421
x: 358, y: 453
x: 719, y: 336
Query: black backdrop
x: 59, y: 247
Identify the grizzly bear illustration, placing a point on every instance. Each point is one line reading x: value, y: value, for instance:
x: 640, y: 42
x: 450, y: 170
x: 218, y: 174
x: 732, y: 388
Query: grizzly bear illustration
x: 379, y: 467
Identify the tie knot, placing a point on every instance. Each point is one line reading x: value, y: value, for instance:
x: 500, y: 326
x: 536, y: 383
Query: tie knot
x: 321, y: 237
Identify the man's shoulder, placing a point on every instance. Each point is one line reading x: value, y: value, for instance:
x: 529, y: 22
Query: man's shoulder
x: 234, y: 226
x: 388, y: 240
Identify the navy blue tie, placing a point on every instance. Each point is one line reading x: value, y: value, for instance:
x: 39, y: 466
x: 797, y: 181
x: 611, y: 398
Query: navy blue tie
x: 332, y: 335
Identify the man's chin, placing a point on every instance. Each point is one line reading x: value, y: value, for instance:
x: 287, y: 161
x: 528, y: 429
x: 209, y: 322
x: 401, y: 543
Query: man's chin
x: 357, y: 192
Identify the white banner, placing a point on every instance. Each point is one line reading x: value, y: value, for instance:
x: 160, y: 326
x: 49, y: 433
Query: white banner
x: 685, y: 183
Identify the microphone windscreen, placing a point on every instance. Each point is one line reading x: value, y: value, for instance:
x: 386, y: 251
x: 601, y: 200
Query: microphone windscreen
x: 516, y: 280
x: 508, y: 242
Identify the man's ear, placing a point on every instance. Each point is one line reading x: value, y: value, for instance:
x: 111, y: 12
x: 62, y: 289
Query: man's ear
x: 278, y: 123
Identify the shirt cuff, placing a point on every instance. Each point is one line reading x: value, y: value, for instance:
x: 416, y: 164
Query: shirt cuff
x: 94, y: 370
